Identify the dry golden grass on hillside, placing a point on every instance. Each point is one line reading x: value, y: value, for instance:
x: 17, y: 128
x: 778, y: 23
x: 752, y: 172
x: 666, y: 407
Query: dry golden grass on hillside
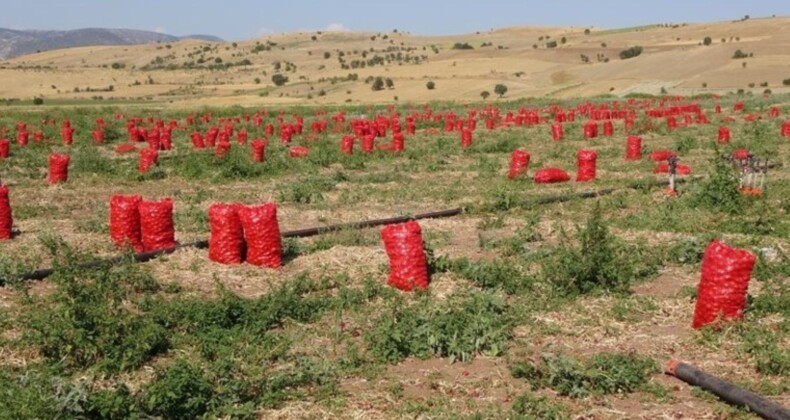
x: 674, y: 59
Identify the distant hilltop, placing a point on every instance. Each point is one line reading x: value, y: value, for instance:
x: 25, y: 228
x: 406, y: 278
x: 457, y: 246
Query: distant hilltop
x: 14, y: 43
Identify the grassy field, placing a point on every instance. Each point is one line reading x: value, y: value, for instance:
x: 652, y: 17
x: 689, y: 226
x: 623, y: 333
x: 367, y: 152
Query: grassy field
x: 534, y: 311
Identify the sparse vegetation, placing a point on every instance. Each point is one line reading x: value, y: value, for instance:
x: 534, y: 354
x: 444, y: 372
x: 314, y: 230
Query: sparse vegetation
x: 630, y: 53
x: 431, y: 85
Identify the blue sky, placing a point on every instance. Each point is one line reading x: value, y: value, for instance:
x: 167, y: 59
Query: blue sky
x: 244, y: 19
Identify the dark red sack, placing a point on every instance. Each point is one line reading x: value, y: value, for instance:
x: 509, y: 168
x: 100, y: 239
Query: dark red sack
x: 125, y: 222
x: 397, y: 142
x: 258, y: 149
x: 262, y: 235
x: 740, y: 154
x: 591, y: 129
x: 98, y: 136
x: 724, y: 135
x: 633, y: 148
x: 223, y: 147
x: 519, y: 163
x: 148, y: 158
x: 660, y: 155
x: 6, y: 219
x: 67, y: 134
x: 608, y: 128
x: 22, y: 138
x: 197, y: 140
x: 680, y: 169
x: 156, y: 224
x: 586, y: 160
x: 226, y: 244
x: 408, y: 264
x: 125, y: 148
x: 466, y: 138
x: 241, y: 137
x: 58, y: 168
x: 368, y: 143
x: 551, y: 175
x: 298, y: 151
x: 557, y: 132
x: 5, y: 146
x: 347, y: 145
x: 721, y: 294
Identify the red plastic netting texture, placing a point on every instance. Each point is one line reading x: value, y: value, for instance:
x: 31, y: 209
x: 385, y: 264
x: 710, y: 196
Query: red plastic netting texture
x: 226, y: 244
x: 721, y: 294
x: 156, y: 224
x: 519, y: 163
x: 551, y: 175
x: 58, y: 168
x: 125, y: 222
x: 262, y: 235
x: 6, y: 219
x: 633, y: 148
x: 586, y: 160
x: 408, y: 264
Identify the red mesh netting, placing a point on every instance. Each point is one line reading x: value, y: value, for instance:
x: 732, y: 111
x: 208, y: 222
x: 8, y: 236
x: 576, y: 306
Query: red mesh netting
x: 724, y: 135
x: 156, y: 224
x: 125, y: 148
x: 226, y: 244
x: 347, y: 145
x: 298, y: 151
x: 741, y: 154
x: 408, y: 264
x: 557, y: 132
x: 519, y: 163
x: 6, y: 220
x: 680, y: 169
x: 125, y: 222
x: 258, y: 150
x: 551, y: 175
x: 397, y: 142
x: 368, y: 143
x: 633, y: 148
x: 223, y: 147
x: 5, y: 146
x: 148, y: 158
x: 660, y: 155
x: 586, y: 165
x: 262, y: 235
x: 721, y: 293
x: 58, y: 168
x: 466, y: 138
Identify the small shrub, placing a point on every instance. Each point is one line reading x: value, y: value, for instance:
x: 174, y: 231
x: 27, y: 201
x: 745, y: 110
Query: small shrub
x: 719, y: 190
x: 604, y: 374
x: 462, y: 46
x: 738, y: 54
x: 279, y: 80
x: 180, y: 392
x: 631, y: 52
x: 485, y: 94
x: 707, y: 41
x: 430, y: 85
x: 500, y: 90
x: 38, y: 100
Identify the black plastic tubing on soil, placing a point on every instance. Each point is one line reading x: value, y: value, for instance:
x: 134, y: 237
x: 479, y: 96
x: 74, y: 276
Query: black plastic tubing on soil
x: 727, y: 391
x: 43, y: 273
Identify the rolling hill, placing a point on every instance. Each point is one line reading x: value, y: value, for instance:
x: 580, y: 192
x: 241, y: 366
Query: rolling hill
x: 338, y: 68
x: 15, y: 43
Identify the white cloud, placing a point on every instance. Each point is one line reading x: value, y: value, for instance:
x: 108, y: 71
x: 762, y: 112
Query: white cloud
x: 336, y: 27
x: 159, y: 30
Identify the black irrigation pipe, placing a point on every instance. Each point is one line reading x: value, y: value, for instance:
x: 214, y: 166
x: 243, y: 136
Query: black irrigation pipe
x: 304, y: 233
x: 727, y: 391
x: 299, y: 233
